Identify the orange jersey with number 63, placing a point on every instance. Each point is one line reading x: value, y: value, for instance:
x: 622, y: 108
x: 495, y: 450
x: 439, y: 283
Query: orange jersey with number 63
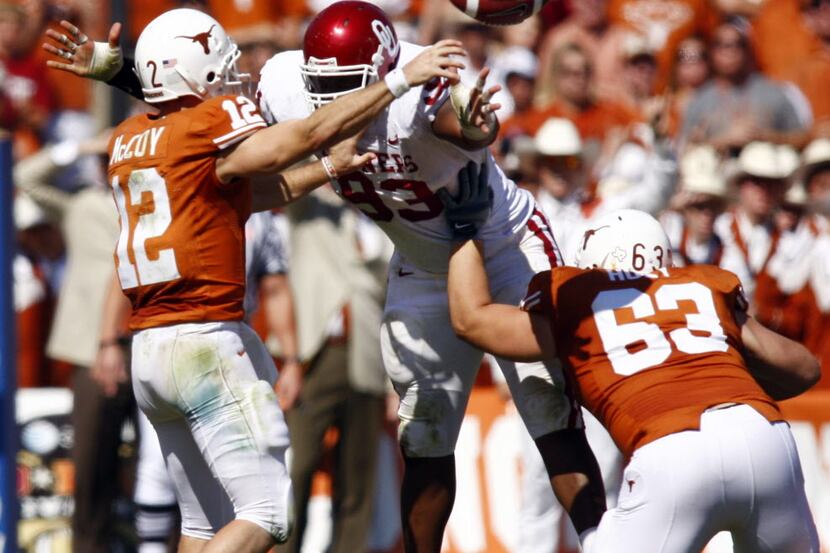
x: 649, y: 354
x: 180, y: 256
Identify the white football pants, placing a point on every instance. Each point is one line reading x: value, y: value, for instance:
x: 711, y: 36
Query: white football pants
x: 207, y: 388
x: 433, y: 370
x: 739, y: 473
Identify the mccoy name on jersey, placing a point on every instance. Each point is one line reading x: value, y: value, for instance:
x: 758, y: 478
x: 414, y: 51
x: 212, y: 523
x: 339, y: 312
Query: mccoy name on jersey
x: 397, y: 190
x: 180, y: 256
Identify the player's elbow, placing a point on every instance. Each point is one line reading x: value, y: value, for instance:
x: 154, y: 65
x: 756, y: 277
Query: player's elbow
x: 321, y: 132
x: 463, y: 323
x: 318, y: 137
x: 811, y: 373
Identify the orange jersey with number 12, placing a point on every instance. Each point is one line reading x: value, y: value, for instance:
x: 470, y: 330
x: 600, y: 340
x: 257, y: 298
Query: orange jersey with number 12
x: 180, y: 256
x: 649, y: 354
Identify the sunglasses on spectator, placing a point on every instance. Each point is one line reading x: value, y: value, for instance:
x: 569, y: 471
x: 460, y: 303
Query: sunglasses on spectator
x: 730, y: 44
x: 574, y: 72
x: 688, y: 55
x: 706, y: 205
x: 561, y: 164
x: 765, y: 182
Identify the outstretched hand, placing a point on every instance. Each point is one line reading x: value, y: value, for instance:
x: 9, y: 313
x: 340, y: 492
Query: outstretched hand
x: 480, y: 109
x: 435, y: 61
x: 469, y: 210
x: 83, y: 57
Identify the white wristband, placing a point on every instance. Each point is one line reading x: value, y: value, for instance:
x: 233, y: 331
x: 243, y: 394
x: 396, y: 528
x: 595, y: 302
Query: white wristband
x: 396, y: 81
x: 328, y: 166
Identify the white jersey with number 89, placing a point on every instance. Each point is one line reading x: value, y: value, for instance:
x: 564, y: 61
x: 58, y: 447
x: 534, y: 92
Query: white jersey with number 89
x: 398, y: 189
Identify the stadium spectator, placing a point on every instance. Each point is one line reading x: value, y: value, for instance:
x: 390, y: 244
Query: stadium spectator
x: 748, y: 232
x: 518, y: 67
x: 739, y: 105
x: 90, y: 226
x: 562, y: 176
x: 690, y: 71
x: 24, y: 83
x: 573, y: 192
x: 638, y: 87
x: 344, y: 384
x: 587, y: 26
x: 816, y: 176
x: 812, y: 72
x: 573, y: 83
x: 32, y: 297
x: 702, y: 197
x: 665, y: 23
x: 781, y: 18
x: 477, y: 40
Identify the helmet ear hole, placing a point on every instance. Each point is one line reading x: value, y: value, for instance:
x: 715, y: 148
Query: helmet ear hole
x: 211, y: 76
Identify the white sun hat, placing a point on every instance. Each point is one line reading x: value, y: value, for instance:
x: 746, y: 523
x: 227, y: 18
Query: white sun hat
x: 767, y: 160
x: 558, y: 137
x: 701, y: 172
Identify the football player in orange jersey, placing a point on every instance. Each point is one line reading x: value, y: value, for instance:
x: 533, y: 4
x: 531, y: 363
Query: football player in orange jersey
x: 182, y: 184
x: 671, y: 364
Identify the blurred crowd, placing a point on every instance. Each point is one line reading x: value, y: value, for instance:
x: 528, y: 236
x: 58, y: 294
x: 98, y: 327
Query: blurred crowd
x: 712, y: 114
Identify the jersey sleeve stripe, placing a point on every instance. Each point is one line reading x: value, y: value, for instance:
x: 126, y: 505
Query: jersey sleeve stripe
x: 531, y: 301
x: 539, y: 225
x: 238, y: 135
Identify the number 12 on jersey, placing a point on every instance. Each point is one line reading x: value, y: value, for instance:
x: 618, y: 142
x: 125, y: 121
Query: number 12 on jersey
x: 150, y: 225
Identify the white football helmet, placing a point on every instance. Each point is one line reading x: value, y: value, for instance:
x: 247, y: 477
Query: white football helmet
x: 186, y: 52
x: 624, y: 240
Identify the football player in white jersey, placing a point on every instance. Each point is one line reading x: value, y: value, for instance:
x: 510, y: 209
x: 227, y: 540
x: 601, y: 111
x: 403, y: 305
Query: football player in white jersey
x: 421, y: 141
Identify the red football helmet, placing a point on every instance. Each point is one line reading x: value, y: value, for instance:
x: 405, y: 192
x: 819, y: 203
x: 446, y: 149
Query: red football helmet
x: 348, y: 46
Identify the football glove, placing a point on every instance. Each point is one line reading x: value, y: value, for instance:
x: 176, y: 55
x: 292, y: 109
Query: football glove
x: 467, y: 212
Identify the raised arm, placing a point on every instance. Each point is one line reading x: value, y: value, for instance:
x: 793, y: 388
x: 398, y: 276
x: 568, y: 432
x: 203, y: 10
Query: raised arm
x: 783, y: 367
x: 279, y: 146
x: 503, y: 330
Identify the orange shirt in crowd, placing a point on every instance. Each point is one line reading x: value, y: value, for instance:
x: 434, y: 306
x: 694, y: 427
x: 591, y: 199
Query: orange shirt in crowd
x: 665, y: 23
x: 649, y: 353
x: 181, y: 253
x: 232, y: 14
x: 781, y: 59
x: 239, y: 14
x: 812, y: 76
x: 139, y: 14
x: 605, y: 53
x: 69, y: 91
x: 593, y: 123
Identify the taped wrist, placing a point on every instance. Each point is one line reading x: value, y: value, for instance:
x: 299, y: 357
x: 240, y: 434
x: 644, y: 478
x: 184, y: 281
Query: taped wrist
x: 460, y: 99
x: 106, y: 61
